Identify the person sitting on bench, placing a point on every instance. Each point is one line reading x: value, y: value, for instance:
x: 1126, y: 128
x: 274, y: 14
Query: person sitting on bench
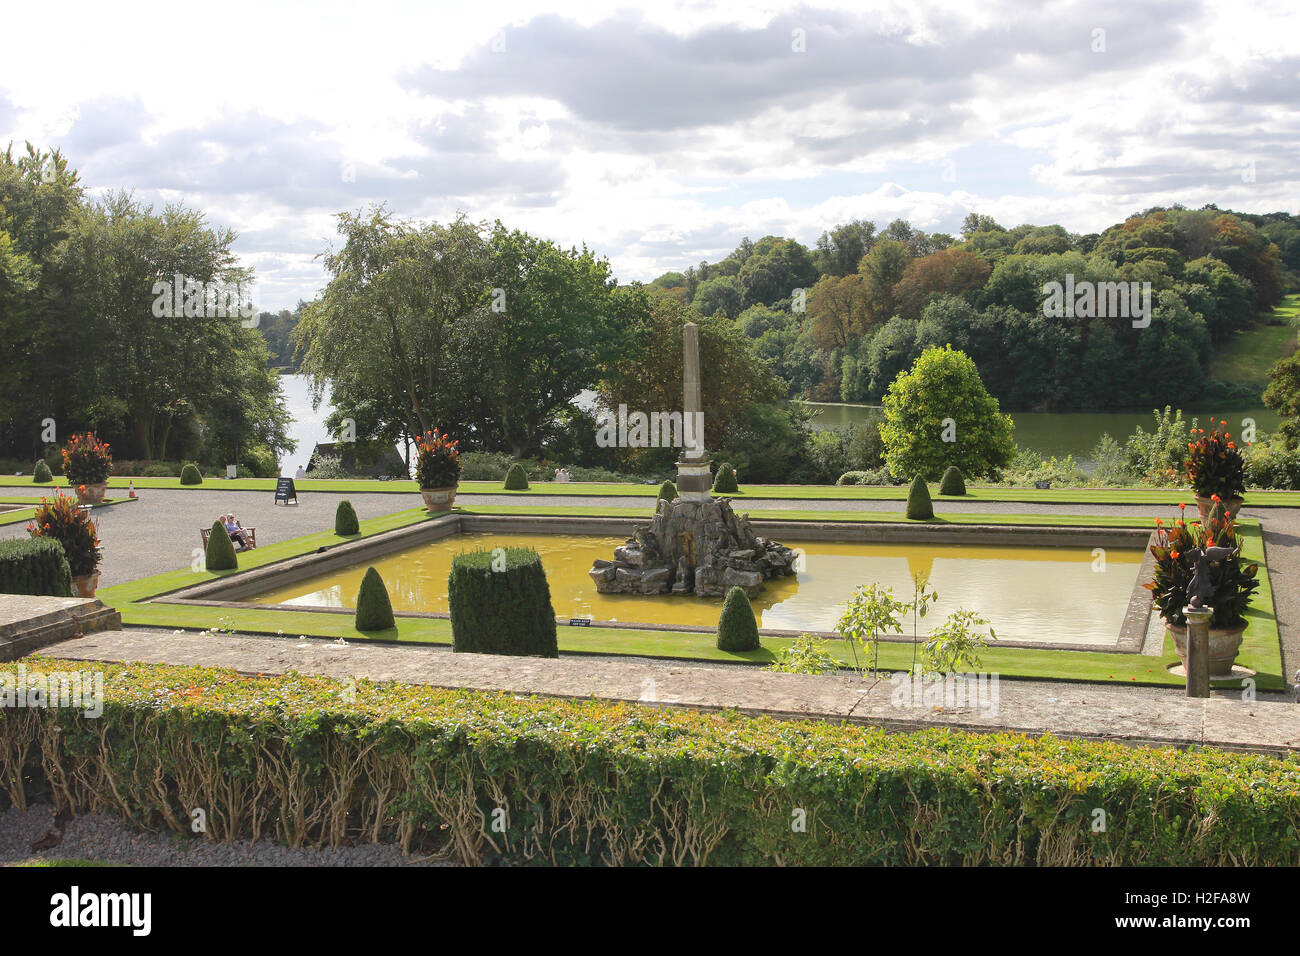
x: 236, y: 531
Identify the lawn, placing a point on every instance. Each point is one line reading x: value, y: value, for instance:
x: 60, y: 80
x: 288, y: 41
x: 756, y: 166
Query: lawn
x: 26, y: 514
x: 1260, y: 650
x: 1247, y: 356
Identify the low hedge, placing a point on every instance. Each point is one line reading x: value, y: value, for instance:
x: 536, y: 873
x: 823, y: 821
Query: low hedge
x: 516, y: 478
x: 313, y: 761
x: 500, y: 603
x: 34, y: 566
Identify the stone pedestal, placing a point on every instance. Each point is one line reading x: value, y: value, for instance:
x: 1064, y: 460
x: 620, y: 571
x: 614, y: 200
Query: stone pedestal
x: 695, y: 479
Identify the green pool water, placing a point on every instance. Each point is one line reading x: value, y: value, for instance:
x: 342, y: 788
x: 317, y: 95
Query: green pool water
x: 1052, y: 595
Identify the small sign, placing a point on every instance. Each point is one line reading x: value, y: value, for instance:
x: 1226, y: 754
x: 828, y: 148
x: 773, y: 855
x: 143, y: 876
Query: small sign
x: 580, y: 622
x: 1042, y: 485
x: 285, y: 491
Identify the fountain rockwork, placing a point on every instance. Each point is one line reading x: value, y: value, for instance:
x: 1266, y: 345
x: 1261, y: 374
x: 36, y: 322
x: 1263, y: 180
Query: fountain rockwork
x: 694, y: 544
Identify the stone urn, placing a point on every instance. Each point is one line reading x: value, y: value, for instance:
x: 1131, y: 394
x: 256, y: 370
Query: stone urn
x: 91, y: 494
x: 1206, y: 505
x: 84, y: 585
x: 1224, y: 644
x: 438, y: 499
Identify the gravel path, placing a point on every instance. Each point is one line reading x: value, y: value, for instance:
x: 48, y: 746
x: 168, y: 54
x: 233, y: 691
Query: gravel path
x: 97, y: 836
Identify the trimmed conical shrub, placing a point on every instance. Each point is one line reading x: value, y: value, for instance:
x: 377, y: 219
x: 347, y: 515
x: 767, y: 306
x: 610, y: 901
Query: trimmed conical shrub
x: 500, y: 603
x: 667, y: 491
x: 374, y: 609
x: 221, y: 551
x: 516, y: 478
x: 919, y: 505
x: 953, y: 483
x: 737, y: 628
x: 41, y: 473
x: 190, y: 475
x: 345, y: 519
x: 724, y: 482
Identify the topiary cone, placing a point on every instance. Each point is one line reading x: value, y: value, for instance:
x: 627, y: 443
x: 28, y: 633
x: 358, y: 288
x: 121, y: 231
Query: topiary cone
x: 190, y: 475
x: 41, y: 473
x: 374, y: 609
x: 953, y: 483
x: 516, y: 478
x: 221, y: 551
x: 345, y: 519
x: 724, y: 482
x: 737, y: 627
x: 667, y: 491
x: 919, y: 505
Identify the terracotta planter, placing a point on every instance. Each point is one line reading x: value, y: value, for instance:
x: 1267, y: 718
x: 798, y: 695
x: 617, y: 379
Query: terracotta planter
x: 438, y: 499
x: 91, y: 494
x: 1224, y: 644
x: 1206, y: 505
x: 84, y: 586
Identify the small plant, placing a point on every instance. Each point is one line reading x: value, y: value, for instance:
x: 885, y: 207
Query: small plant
x: 869, y: 613
x: 374, y: 608
x: 1236, y: 582
x: 923, y: 597
x: 86, y: 460
x: 737, y: 628
x: 1214, y: 466
x: 437, y: 462
x: 41, y: 473
x: 953, y: 483
x: 516, y: 478
x: 919, y: 505
x: 221, y: 551
x: 61, y: 519
x: 955, y: 644
x: 345, y: 519
x: 806, y: 655
x: 724, y: 483
x: 190, y: 475
x: 668, y: 491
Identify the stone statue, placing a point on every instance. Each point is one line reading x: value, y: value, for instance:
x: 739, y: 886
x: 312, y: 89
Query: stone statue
x: 1203, y: 583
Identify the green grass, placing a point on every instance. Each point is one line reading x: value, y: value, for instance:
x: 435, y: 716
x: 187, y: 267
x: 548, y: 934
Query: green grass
x: 27, y: 514
x: 1247, y: 356
x: 990, y: 493
x: 1260, y: 649
x: 58, y: 863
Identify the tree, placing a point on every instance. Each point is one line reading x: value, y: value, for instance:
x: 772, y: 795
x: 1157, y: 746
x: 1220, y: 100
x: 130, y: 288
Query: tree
x: 950, y: 272
x: 1283, y: 396
x: 882, y: 268
x: 776, y: 268
x: 839, y: 309
x: 840, y: 250
x: 940, y: 414
x: 717, y: 295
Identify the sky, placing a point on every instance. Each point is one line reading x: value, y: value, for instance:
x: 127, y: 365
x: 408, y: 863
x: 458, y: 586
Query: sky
x: 658, y: 135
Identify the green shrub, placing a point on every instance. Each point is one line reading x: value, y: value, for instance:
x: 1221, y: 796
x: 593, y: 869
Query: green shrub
x: 34, y: 566
x: 806, y: 655
x: 724, y: 482
x: 594, y: 782
x: 516, y: 478
x: 953, y: 483
x: 345, y: 519
x: 500, y: 603
x: 190, y: 475
x: 374, y: 609
x: 919, y: 505
x: 1270, y: 465
x: 41, y: 473
x: 668, y: 491
x: 737, y: 628
x: 260, y: 463
x: 221, y: 551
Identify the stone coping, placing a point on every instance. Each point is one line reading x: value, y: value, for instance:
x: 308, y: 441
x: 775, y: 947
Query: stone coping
x: 28, y: 622
x: 227, y: 592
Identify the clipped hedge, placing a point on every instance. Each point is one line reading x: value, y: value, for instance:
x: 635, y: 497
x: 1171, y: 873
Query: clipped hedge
x: 345, y: 519
x: 313, y: 761
x: 953, y: 483
x: 41, y: 474
x: 920, y: 507
x: 668, y: 491
x: 220, y: 555
x: 737, y: 627
x: 724, y: 482
x: 516, y: 478
x: 500, y: 603
x: 190, y: 475
x: 374, y: 607
x: 34, y: 566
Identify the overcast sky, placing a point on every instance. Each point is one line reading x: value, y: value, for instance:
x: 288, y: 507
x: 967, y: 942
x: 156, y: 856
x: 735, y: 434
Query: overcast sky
x: 658, y: 135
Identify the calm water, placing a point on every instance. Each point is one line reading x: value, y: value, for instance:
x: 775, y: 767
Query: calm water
x: 1029, y: 594
x: 1072, y: 433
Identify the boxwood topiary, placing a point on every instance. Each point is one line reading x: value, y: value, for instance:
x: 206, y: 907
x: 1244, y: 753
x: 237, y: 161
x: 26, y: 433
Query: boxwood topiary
x: 516, y: 478
x: 374, y: 609
x: 345, y: 519
x: 724, y: 482
x: 667, y: 491
x: 41, y: 473
x: 737, y: 628
x: 919, y: 505
x: 501, y: 604
x: 34, y: 566
x: 190, y: 475
x: 221, y: 552
x: 953, y: 483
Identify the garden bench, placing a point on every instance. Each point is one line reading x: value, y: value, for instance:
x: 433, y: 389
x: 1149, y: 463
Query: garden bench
x: 251, y: 532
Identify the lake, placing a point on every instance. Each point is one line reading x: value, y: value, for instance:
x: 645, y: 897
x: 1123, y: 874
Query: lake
x: 1070, y: 433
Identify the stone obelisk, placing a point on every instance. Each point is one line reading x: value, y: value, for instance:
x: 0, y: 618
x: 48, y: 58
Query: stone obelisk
x: 694, y: 480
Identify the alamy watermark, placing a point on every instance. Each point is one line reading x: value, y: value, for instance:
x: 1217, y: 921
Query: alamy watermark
x: 1098, y: 300
x: 653, y: 430
x: 183, y: 296
x: 976, y: 690
x: 79, y: 690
